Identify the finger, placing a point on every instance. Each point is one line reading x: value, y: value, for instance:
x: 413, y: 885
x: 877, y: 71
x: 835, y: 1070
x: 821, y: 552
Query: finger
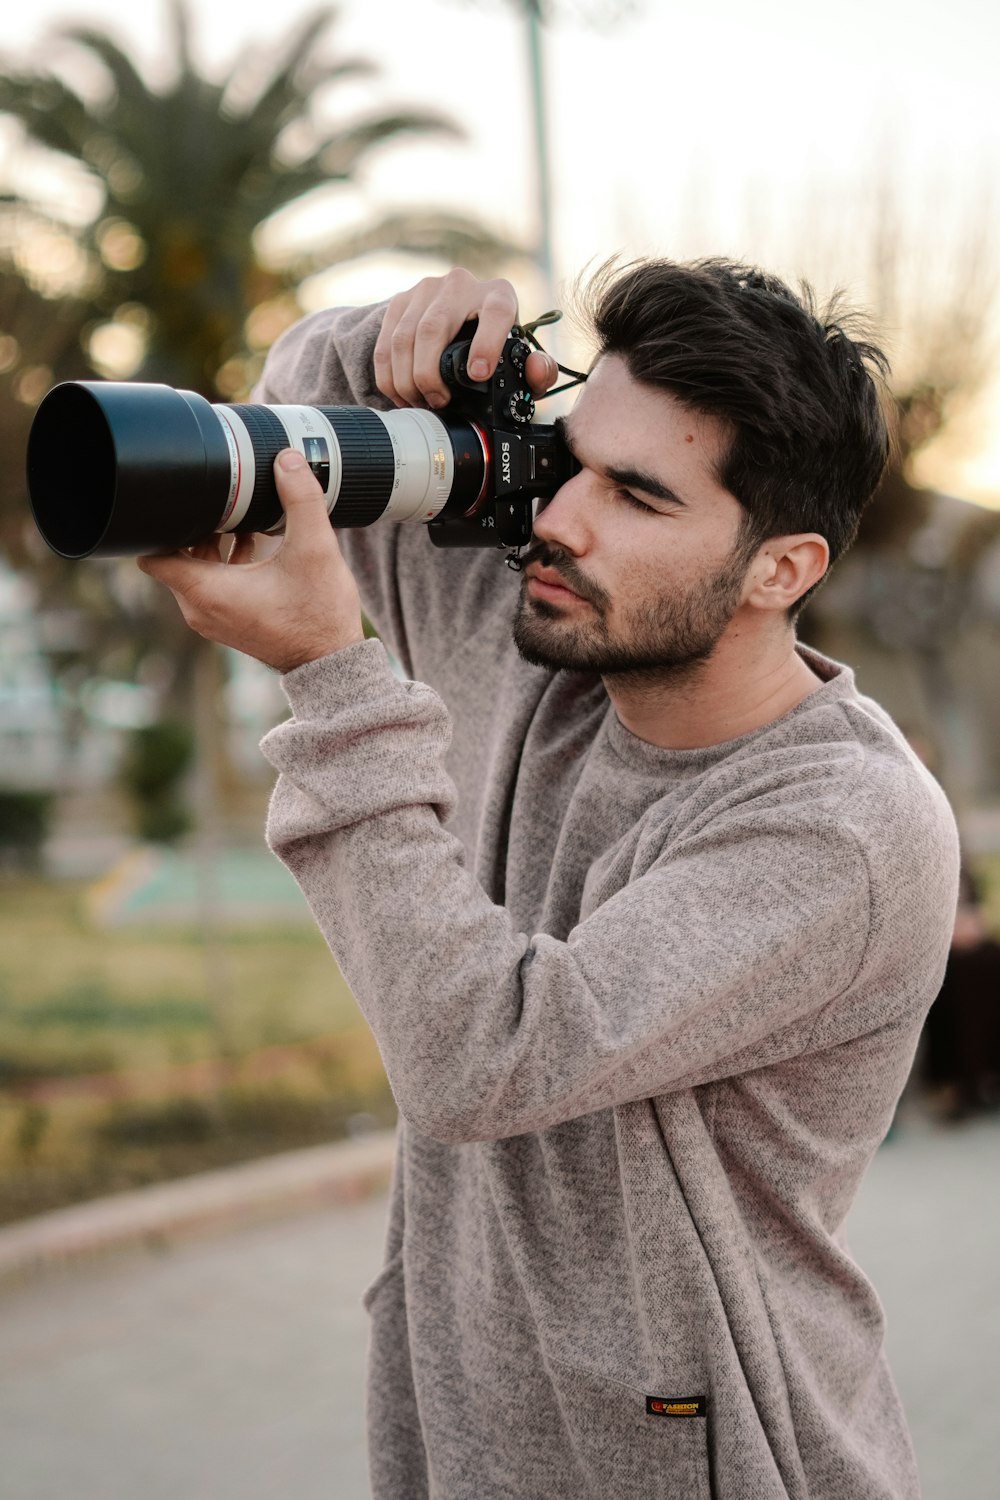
x: 541, y: 371
x: 460, y: 297
x: 497, y: 316
x: 208, y: 550
x: 382, y: 354
x: 242, y: 550
x: 419, y: 325
x: 393, y: 354
x: 401, y: 341
x: 178, y: 570
x: 306, y: 520
x: 435, y: 331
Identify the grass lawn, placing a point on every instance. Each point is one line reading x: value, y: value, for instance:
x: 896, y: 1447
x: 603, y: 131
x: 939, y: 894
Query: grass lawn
x: 129, y: 1055
x: 132, y: 1054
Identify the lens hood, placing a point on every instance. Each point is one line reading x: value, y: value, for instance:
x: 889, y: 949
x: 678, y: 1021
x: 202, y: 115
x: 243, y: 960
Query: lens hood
x: 116, y: 469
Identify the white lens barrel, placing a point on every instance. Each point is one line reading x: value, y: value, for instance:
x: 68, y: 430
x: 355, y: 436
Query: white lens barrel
x: 425, y: 464
x: 423, y: 460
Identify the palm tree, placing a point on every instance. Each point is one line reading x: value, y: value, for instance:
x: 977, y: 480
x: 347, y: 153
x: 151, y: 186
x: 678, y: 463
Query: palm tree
x: 39, y: 343
x: 186, y: 174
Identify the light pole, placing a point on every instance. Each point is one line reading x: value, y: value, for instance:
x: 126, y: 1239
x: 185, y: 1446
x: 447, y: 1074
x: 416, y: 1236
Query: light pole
x: 543, y: 178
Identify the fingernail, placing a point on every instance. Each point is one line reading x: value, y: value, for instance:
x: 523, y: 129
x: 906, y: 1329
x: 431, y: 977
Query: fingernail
x: 291, y: 458
x: 435, y: 399
x: 479, y: 369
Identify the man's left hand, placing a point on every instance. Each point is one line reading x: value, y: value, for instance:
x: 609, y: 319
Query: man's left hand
x: 293, y: 607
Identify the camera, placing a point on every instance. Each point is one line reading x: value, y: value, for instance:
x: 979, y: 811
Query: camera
x: 120, y: 468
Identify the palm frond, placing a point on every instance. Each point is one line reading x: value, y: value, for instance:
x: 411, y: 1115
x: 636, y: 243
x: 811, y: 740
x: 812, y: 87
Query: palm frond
x: 180, y: 26
x: 340, y: 154
x: 285, y: 95
x: 131, y: 88
x: 452, y: 237
x: 192, y: 168
x: 50, y: 112
x: 337, y: 159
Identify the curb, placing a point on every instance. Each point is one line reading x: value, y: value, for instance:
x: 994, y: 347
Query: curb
x: 151, y: 1217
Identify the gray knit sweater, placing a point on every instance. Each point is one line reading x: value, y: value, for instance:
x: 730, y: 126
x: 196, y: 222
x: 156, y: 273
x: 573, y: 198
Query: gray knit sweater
x: 646, y: 1014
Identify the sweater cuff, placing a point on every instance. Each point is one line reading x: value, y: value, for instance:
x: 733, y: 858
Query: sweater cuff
x: 343, y: 679
x: 361, y: 743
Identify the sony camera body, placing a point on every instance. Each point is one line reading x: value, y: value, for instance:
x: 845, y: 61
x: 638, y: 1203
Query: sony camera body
x: 156, y: 469
x: 525, y: 461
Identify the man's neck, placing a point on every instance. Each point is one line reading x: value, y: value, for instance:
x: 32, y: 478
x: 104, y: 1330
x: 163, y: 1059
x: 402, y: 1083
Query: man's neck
x: 744, y: 685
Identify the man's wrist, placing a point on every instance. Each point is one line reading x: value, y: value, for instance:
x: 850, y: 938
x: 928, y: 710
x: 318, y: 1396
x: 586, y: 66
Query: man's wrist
x: 304, y: 655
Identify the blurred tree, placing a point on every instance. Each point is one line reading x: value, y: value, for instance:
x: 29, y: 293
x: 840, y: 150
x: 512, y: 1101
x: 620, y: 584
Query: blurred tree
x: 155, y: 764
x: 186, y: 176
x: 39, y: 344
x: 165, y: 280
x: 909, y: 590
x: 931, y: 280
x: 939, y: 309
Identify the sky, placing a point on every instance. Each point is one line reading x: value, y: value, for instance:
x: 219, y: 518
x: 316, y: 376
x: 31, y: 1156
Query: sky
x: 779, y: 132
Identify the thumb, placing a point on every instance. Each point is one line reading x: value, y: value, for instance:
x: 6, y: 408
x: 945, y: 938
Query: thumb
x: 301, y: 496
x: 541, y: 370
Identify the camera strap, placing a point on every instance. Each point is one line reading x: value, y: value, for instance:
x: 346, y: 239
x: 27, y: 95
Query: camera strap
x: 544, y: 321
x: 513, y: 558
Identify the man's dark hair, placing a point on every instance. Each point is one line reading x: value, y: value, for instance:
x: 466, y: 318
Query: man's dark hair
x: 801, y: 392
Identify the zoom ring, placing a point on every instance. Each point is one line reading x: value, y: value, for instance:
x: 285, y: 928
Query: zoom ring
x: 368, y: 465
x: 267, y: 437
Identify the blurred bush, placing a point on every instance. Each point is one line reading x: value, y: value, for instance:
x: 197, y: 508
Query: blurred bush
x: 152, y: 774
x: 24, y: 826
x: 23, y: 1063
x: 63, y: 1152
x: 114, y: 1071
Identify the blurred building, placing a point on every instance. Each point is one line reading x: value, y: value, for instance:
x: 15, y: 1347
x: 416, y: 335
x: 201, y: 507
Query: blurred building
x: 62, y: 737
x: 33, y: 753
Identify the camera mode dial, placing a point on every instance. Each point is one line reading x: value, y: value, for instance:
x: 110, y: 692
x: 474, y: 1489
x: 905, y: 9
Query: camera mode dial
x: 521, y: 407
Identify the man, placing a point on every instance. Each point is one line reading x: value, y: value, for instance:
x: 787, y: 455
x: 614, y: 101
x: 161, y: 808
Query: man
x: 648, y: 989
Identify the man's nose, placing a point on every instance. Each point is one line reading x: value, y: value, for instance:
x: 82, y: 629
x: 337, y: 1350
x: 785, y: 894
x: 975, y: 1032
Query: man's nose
x: 562, y: 521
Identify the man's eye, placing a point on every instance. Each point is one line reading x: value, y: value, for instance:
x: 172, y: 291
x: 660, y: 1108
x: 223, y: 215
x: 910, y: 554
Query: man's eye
x: 636, y: 503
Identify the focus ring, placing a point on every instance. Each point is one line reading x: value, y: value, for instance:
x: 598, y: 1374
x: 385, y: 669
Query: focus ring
x: 368, y: 465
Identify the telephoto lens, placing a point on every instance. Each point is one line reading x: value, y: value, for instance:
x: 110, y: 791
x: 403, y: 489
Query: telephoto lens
x: 119, y: 468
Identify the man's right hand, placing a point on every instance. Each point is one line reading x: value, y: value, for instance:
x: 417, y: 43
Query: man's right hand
x: 420, y: 324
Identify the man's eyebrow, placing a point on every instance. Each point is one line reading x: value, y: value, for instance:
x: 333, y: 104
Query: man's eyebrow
x: 633, y: 479
x: 639, y: 479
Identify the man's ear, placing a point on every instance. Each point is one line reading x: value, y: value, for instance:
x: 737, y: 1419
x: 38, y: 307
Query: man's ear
x: 785, y: 568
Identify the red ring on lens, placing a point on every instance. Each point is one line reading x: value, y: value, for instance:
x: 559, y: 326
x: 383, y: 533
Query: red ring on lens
x: 484, y: 443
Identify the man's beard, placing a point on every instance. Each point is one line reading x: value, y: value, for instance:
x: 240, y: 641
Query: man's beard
x: 669, y: 636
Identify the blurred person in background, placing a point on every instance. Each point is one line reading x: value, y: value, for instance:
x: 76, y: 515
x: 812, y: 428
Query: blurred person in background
x: 962, y: 1034
x: 643, y: 901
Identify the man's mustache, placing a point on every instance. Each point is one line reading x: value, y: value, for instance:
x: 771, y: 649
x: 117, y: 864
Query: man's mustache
x: 561, y: 562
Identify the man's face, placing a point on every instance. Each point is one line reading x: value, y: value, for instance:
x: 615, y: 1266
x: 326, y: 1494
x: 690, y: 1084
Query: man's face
x: 633, y: 565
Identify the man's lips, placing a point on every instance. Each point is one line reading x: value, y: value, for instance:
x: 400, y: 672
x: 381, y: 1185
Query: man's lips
x: 546, y: 583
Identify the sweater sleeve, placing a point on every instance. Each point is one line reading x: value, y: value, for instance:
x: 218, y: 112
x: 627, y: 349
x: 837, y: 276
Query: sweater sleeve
x: 326, y: 360
x: 733, y: 936
x: 419, y: 597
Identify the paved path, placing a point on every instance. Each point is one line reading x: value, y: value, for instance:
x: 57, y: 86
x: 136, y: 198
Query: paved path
x: 230, y: 1366
x: 926, y: 1229
x: 223, y: 1368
